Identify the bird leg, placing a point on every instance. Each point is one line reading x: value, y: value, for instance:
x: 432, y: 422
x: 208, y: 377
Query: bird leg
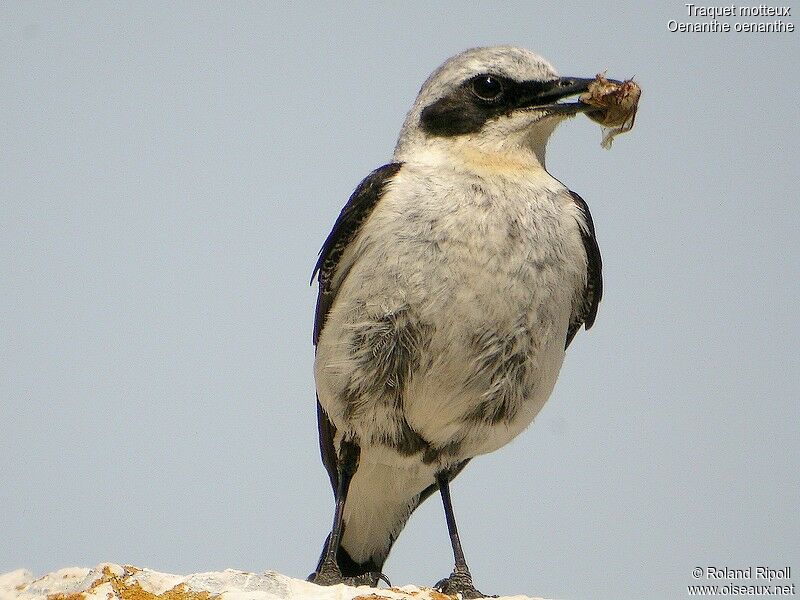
x: 328, y: 572
x: 460, y: 580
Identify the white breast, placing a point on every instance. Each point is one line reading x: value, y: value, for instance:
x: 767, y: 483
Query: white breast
x: 490, y: 269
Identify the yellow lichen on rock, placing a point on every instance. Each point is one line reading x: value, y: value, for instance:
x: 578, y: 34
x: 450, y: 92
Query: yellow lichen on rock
x: 72, y: 596
x: 134, y: 591
x: 123, y: 589
x: 425, y: 592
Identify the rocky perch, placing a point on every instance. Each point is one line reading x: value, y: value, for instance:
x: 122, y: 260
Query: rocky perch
x: 124, y: 582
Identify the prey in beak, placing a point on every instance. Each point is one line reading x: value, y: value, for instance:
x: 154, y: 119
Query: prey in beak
x: 609, y: 102
x: 484, y: 98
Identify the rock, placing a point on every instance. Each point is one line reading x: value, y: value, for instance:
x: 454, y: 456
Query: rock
x: 109, y: 581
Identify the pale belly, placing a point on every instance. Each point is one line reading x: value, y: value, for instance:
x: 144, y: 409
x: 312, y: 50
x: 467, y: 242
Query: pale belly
x: 446, y: 348
x: 424, y: 382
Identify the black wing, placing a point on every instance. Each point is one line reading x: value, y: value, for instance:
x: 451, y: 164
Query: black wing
x: 347, y: 226
x: 587, y: 311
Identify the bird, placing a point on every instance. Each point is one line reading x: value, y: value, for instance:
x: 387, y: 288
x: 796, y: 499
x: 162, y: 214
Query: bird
x: 449, y: 288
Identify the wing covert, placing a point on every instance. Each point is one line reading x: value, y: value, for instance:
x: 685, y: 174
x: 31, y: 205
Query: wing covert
x: 587, y: 311
x: 346, y: 228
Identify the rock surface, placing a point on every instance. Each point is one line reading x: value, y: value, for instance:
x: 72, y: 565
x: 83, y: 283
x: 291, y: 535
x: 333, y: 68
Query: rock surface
x: 108, y: 581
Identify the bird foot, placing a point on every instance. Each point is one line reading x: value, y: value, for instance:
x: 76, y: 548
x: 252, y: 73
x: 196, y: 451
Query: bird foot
x: 331, y: 575
x: 460, y: 582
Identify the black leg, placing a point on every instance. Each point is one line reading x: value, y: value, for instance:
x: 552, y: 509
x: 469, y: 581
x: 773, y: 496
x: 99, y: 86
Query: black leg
x: 328, y: 572
x: 334, y: 559
x: 460, y: 580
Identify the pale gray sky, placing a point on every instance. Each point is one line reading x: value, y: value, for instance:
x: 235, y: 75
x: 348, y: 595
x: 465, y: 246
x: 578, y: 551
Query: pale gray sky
x: 169, y: 172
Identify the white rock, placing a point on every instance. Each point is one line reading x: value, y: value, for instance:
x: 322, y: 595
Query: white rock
x: 108, y: 581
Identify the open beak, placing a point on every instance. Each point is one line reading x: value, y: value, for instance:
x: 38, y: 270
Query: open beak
x: 545, y: 95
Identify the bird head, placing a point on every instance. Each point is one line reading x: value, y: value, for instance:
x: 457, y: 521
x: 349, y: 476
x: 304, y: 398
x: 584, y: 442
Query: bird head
x: 501, y: 101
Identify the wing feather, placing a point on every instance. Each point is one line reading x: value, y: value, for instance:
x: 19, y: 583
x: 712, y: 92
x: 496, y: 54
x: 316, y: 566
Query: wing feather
x: 347, y: 226
x: 587, y: 310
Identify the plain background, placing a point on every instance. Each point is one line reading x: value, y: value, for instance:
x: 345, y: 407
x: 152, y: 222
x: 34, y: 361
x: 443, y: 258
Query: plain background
x: 168, y: 172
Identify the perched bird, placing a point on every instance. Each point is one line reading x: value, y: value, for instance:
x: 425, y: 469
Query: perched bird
x: 452, y: 283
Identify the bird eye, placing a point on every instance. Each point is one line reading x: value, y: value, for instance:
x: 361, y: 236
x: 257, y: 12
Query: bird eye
x: 487, y: 87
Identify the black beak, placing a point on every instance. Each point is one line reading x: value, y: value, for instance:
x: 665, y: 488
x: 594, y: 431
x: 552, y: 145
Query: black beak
x: 540, y: 94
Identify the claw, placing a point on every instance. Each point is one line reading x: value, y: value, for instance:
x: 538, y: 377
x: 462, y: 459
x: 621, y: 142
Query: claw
x: 328, y: 574
x: 331, y: 575
x: 460, y: 583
